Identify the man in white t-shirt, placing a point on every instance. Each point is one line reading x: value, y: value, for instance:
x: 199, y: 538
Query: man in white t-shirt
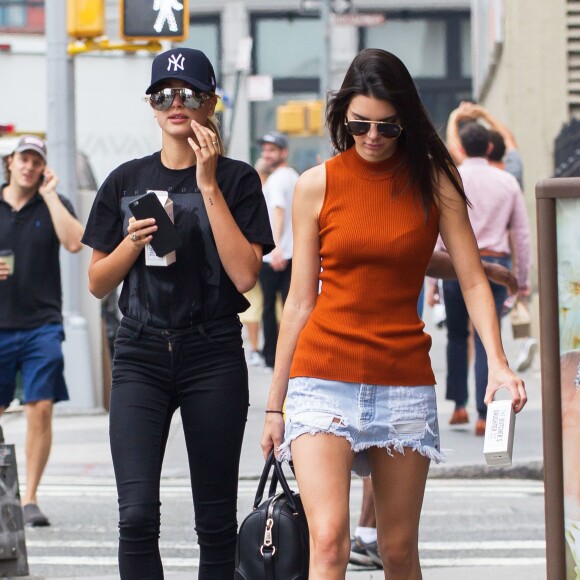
x: 277, y: 266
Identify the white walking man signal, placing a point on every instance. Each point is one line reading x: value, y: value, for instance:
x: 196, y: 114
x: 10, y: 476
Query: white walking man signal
x: 166, y: 8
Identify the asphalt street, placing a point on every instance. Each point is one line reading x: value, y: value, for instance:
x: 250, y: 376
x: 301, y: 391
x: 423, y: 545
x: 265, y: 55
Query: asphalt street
x: 478, y: 522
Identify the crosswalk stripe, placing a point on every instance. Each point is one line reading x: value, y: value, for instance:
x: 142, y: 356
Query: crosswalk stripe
x: 450, y: 546
x: 194, y: 562
x: 103, y: 561
x: 483, y: 545
x: 472, y: 562
x: 100, y: 544
x: 110, y: 491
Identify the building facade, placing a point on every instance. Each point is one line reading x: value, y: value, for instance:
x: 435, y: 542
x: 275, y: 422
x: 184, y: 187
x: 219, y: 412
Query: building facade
x: 526, y: 62
x: 288, y: 48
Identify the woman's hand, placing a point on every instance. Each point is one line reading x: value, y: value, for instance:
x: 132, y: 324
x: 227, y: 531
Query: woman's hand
x: 273, y: 433
x: 501, y: 275
x: 500, y: 375
x: 4, y: 270
x: 140, y: 232
x: 206, y: 147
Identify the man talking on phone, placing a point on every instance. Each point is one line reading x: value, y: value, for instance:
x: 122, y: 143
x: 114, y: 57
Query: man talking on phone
x: 35, y: 221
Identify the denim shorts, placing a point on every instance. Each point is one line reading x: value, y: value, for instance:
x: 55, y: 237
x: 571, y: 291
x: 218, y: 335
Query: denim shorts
x: 37, y: 354
x: 392, y: 417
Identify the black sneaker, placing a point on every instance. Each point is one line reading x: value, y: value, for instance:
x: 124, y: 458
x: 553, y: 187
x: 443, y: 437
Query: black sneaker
x: 33, y: 516
x: 358, y: 554
x: 372, y: 550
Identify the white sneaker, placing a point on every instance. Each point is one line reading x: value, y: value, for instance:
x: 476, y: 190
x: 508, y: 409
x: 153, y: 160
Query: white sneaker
x: 439, y: 316
x: 527, y: 353
x: 255, y: 360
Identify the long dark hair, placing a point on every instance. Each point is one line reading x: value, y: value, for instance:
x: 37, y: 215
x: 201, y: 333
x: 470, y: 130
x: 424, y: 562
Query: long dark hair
x: 381, y: 75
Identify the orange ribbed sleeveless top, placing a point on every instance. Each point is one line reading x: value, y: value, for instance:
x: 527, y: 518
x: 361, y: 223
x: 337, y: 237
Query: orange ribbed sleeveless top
x: 375, y: 246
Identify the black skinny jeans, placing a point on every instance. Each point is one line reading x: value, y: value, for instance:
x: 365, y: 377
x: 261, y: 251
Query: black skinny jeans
x: 272, y: 282
x: 202, y: 371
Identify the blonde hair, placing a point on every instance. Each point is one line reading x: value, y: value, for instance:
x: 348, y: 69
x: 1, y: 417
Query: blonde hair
x: 213, y: 125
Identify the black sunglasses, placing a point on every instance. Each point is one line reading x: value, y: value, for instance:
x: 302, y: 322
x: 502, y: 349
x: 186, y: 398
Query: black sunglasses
x: 388, y: 130
x: 163, y: 99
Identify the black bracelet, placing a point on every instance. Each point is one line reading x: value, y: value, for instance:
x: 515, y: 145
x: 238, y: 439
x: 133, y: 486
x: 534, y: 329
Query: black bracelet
x: 273, y: 411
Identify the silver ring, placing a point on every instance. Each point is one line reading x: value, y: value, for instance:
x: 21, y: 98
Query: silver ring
x: 215, y: 142
x: 134, y: 236
x: 202, y: 146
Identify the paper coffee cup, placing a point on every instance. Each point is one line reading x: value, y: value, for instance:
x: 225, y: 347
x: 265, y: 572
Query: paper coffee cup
x: 7, y: 256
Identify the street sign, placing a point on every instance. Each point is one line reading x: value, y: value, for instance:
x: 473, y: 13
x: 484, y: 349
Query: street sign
x: 359, y: 19
x: 336, y: 6
x: 154, y: 19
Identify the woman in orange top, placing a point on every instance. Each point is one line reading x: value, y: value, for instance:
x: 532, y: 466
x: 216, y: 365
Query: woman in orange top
x: 352, y: 358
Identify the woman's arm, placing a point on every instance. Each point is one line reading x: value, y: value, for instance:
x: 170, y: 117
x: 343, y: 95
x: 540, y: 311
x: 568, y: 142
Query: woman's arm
x: 441, y: 266
x: 107, y: 271
x: 241, y: 259
x: 308, y: 199
x: 461, y: 244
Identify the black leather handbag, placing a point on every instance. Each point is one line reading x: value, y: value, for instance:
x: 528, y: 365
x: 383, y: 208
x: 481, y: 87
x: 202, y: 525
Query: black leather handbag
x: 273, y: 538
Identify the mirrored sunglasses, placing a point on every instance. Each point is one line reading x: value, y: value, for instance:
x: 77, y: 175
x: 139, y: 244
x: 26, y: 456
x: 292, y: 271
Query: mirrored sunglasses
x: 163, y: 99
x: 388, y: 130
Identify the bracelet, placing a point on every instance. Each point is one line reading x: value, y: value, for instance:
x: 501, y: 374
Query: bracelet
x: 273, y: 411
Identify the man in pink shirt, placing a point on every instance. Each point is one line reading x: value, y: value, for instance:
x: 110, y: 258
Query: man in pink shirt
x: 497, y: 208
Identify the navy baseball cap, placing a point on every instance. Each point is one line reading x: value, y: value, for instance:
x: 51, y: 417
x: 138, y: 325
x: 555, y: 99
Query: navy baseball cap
x: 185, y: 64
x: 275, y: 138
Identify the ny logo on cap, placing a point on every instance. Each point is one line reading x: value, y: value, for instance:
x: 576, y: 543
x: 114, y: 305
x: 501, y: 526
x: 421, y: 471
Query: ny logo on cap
x: 176, y: 62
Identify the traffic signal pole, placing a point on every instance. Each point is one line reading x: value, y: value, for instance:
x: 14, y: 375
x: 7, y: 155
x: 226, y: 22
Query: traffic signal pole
x: 62, y: 154
x: 325, y: 58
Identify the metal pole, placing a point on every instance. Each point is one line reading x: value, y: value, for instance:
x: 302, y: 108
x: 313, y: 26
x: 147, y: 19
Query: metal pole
x: 325, y: 60
x: 234, y: 108
x: 61, y: 129
x: 62, y: 153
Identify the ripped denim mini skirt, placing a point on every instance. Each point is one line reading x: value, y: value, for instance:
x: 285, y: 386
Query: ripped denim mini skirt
x: 391, y: 417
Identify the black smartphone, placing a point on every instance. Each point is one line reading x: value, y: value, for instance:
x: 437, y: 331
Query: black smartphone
x: 165, y: 239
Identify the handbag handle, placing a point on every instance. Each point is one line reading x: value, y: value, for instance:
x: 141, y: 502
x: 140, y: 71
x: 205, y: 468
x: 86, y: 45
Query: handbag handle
x: 277, y: 476
x: 274, y: 480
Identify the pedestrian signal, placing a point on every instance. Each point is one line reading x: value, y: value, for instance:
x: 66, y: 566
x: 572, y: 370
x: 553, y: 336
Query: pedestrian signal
x: 154, y: 19
x: 85, y: 18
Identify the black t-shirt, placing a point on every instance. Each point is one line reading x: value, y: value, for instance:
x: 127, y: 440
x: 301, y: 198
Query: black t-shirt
x: 195, y: 287
x: 32, y: 296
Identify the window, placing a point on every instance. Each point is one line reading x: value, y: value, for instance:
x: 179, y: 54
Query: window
x: 436, y: 48
x: 276, y: 35
x: 465, y: 40
x: 204, y: 35
x: 22, y: 16
x: 418, y: 42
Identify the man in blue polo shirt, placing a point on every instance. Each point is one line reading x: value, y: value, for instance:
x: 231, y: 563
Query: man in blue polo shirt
x: 35, y: 221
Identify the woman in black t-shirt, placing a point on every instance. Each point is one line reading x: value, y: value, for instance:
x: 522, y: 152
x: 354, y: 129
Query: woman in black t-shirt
x: 179, y: 343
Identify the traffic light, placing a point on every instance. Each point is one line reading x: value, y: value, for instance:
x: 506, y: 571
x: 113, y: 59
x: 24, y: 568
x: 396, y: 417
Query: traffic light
x: 290, y: 118
x: 85, y: 18
x: 300, y: 118
x: 315, y: 117
x: 154, y: 20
